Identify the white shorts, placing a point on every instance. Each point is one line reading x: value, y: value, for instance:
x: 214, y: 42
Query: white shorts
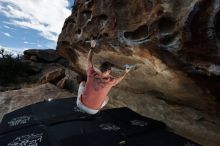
x: 81, y: 106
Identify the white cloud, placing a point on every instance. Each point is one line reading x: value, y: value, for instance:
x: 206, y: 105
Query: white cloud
x: 38, y: 45
x: 7, y: 34
x: 25, y: 42
x: 45, y: 16
x: 7, y: 27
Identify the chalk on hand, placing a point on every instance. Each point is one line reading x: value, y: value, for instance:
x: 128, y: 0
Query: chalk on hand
x: 127, y: 66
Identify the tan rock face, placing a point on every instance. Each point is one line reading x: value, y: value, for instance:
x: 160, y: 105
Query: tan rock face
x: 70, y: 81
x: 53, y: 77
x: 174, y: 46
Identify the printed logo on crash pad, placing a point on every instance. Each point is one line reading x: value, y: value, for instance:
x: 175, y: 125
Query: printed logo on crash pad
x: 109, y: 127
x: 139, y: 123
x: 27, y: 140
x: 76, y: 109
x: 19, y: 121
x: 189, y: 144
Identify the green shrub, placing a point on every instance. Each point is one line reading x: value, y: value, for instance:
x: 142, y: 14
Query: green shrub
x: 11, y: 68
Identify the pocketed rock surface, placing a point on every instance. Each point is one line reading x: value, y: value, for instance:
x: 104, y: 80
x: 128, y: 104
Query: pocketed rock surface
x: 174, y: 47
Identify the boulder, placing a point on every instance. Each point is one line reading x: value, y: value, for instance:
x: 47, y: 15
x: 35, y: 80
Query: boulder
x: 53, y: 76
x: 161, y: 37
x: 186, y: 121
x: 47, y: 55
x: 173, y: 45
x: 67, y: 84
x: 70, y: 81
x: 33, y: 58
x: 34, y: 69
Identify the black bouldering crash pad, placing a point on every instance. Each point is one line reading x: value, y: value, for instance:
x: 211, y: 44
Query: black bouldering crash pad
x: 60, y: 123
x: 32, y: 136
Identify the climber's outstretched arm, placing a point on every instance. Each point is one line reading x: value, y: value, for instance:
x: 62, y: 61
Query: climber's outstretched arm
x: 90, y: 55
x: 89, y: 58
x: 120, y: 78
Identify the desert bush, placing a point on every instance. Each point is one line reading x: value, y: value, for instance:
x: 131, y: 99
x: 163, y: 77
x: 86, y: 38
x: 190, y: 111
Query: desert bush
x: 11, y: 68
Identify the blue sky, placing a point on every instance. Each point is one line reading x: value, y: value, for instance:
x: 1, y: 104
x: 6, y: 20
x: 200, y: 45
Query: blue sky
x: 34, y: 24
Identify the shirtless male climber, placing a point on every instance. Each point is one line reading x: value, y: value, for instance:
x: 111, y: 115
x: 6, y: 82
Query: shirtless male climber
x: 92, y: 94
